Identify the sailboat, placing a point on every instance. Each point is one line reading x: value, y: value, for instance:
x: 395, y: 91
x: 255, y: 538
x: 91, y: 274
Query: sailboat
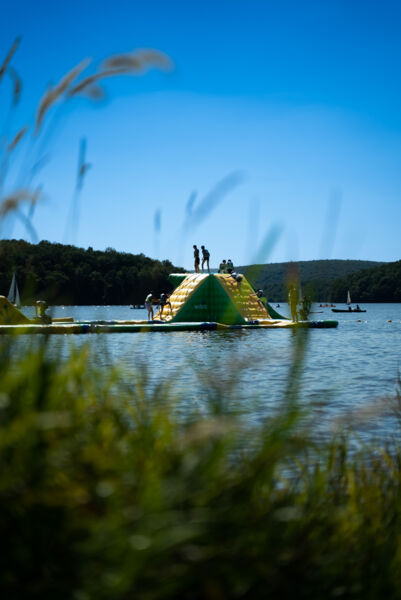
x: 13, y: 294
x: 349, y: 309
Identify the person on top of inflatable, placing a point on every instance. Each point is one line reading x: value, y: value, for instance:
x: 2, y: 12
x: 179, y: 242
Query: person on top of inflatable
x: 205, y: 258
x: 196, y: 258
x: 223, y: 267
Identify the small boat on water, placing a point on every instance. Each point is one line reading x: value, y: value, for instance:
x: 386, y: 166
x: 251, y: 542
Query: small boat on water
x: 13, y: 294
x: 349, y: 309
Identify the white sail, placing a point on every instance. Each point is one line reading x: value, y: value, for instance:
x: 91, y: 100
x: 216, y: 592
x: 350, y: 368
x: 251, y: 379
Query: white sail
x: 13, y: 294
x: 348, y: 298
x: 17, y: 296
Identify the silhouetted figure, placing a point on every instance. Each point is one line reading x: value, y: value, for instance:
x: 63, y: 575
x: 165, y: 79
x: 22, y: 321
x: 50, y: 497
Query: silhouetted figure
x: 196, y: 258
x: 205, y: 258
x: 164, y: 301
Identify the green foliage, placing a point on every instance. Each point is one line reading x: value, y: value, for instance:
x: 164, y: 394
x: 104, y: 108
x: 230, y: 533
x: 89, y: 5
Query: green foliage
x: 64, y: 274
x: 379, y: 284
x: 105, y: 492
x: 315, y: 276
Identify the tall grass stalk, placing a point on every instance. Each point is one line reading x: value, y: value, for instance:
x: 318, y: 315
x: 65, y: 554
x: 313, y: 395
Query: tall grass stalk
x: 75, y: 83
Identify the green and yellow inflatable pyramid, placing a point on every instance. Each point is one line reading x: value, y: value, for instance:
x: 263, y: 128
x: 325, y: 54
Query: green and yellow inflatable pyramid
x: 216, y: 298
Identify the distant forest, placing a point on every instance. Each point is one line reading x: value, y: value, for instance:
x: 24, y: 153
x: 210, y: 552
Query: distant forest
x: 62, y: 274
x: 380, y: 284
x: 329, y: 280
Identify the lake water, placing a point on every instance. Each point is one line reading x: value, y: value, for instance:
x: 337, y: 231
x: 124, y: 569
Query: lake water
x: 350, y: 370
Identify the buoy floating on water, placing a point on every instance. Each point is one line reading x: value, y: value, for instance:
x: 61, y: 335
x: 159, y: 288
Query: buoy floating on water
x: 358, y: 320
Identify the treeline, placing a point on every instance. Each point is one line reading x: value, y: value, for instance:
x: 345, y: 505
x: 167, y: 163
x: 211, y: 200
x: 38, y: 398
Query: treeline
x: 318, y: 277
x: 63, y: 274
x: 380, y: 284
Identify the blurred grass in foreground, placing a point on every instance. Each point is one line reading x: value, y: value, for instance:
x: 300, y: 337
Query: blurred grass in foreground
x: 105, y: 493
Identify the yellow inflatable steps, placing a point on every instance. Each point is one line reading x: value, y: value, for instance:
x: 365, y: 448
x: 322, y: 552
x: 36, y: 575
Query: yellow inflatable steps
x: 184, y: 291
x: 244, y: 297
x: 10, y: 315
x: 181, y: 296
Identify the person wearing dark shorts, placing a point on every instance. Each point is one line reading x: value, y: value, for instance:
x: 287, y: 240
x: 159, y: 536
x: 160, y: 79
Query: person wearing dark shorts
x: 196, y: 258
x: 205, y: 258
x: 164, y: 300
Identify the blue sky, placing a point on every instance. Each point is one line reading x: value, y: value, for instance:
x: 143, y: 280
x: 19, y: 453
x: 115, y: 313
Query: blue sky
x: 293, y: 109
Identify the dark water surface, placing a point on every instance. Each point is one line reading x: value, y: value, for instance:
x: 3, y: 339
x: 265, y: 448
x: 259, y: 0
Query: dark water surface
x: 351, y: 369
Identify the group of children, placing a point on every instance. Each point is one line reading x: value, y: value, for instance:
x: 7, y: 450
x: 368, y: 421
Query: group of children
x: 164, y: 298
x: 162, y: 302
x: 226, y: 266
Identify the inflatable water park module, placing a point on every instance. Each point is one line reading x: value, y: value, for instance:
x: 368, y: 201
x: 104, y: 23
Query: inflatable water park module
x: 200, y: 302
x: 228, y: 299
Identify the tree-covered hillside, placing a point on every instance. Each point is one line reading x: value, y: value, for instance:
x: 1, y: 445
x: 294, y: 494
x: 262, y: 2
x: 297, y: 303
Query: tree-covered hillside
x: 379, y: 284
x: 316, y: 276
x: 63, y: 274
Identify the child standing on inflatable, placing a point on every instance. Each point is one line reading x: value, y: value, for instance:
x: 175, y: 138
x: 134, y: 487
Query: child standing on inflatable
x: 205, y: 258
x: 196, y: 258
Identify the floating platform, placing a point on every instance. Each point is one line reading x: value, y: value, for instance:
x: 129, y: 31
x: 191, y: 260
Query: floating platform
x: 147, y: 326
x: 200, y: 302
